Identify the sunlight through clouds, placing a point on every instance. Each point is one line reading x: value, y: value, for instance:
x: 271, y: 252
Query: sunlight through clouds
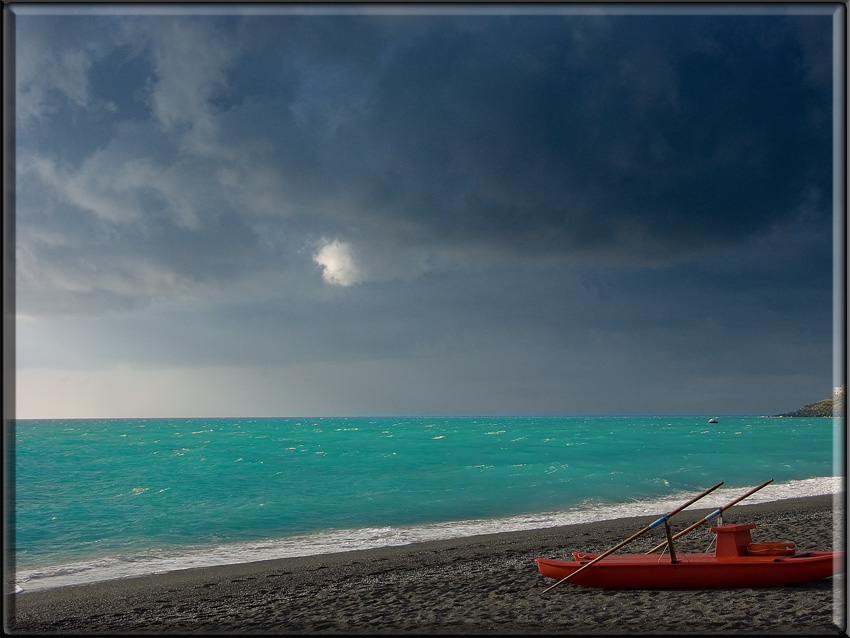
x: 337, y: 263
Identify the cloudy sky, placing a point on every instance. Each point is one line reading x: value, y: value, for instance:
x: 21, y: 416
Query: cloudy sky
x: 240, y: 211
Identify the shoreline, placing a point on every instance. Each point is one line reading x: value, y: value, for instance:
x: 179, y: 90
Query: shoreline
x: 154, y: 561
x: 476, y: 584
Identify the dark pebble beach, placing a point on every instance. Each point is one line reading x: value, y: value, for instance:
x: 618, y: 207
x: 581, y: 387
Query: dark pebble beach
x: 476, y: 585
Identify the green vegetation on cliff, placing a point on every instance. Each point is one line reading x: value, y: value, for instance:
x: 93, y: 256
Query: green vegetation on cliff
x: 826, y: 407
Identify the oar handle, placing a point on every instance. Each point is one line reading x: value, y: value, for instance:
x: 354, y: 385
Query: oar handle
x: 745, y: 495
x: 692, y: 501
x: 714, y: 514
x: 635, y: 535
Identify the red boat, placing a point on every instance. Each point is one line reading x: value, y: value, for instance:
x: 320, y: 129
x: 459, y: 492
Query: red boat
x: 737, y: 562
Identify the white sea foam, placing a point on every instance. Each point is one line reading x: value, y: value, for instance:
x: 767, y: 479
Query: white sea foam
x: 110, y: 568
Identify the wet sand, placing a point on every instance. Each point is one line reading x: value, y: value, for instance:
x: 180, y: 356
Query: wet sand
x: 481, y: 584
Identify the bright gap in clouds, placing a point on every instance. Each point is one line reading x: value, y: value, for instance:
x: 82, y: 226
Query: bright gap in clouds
x: 337, y: 263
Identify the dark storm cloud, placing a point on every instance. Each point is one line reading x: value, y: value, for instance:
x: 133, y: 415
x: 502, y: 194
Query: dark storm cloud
x: 424, y: 141
x: 659, y: 133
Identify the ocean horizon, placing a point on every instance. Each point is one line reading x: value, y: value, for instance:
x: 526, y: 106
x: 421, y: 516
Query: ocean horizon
x: 98, y: 499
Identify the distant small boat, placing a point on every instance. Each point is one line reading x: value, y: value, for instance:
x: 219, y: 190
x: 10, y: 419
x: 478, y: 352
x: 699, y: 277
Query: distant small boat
x: 713, y: 420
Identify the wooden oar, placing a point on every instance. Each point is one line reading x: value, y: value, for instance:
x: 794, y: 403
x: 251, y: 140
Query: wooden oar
x: 634, y: 536
x: 714, y: 514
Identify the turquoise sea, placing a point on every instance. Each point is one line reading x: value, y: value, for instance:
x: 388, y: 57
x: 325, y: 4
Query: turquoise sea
x: 96, y: 499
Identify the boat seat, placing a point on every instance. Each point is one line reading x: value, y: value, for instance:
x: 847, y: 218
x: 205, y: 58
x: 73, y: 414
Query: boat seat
x: 777, y: 548
x: 732, y: 540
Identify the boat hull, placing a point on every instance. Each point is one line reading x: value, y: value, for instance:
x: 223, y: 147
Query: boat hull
x: 694, y: 571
